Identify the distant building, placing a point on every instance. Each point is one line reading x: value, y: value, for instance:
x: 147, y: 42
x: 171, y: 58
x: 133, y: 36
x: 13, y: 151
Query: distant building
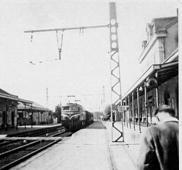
x: 31, y: 113
x: 8, y: 110
x: 15, y: 111
x: 158, y: 82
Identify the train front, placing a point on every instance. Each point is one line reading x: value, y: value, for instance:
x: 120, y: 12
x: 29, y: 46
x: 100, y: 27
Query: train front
x: 71, y: 116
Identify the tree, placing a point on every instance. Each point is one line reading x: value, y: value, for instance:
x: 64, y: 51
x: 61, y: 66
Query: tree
x: 107, y: 111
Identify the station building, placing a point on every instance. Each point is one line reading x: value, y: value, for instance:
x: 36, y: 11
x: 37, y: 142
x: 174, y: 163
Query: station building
x: 15, y: 112
x: 158, y: 83
x: 31, y: 113
x: 8, y: 109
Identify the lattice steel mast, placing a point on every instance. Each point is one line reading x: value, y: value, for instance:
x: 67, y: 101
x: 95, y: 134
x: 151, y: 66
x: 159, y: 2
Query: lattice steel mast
x: 115, y: 69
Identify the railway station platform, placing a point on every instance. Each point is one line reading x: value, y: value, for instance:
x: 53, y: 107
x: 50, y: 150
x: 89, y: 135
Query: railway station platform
x: 27, y: 128
x: 88, y: 149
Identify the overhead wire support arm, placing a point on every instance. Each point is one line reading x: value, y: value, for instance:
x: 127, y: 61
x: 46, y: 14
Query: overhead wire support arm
x: 67, y: 28
x: 60, y: 42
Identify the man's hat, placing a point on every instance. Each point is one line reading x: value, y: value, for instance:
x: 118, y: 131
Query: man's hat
x: 165, y: 108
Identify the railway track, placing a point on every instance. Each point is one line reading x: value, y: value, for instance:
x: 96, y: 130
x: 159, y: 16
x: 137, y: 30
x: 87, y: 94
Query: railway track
x: 17, y: 155
x: 15, y: 150
x: 11, y: 144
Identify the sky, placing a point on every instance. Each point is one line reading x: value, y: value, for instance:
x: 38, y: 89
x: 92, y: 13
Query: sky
x: 84, y: 68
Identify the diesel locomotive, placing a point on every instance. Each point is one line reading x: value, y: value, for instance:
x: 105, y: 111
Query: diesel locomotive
x: 75, y: 117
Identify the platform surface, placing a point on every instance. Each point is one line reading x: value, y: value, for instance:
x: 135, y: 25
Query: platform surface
x: 87, y: 149
x: 20, y: 129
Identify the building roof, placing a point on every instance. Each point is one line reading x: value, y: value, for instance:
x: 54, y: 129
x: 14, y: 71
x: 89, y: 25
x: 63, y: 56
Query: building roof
x: 3, y: 91
x: 165, y: 71
x: 25, y: 101
x: 32, y: 107
x: 163, y: 23
x: 4, y: 94
x: 157, y: 28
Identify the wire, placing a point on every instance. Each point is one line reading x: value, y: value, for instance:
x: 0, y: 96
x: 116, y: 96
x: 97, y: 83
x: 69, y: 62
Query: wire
x: 43, y: 62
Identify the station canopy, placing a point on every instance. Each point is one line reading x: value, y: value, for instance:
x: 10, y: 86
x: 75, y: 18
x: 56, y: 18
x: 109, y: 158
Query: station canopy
x: 31, y: 107
x: 6, y: 95
x: 165, y: 72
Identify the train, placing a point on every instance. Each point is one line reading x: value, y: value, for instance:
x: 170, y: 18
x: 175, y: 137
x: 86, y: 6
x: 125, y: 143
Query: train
x: 75, y: 117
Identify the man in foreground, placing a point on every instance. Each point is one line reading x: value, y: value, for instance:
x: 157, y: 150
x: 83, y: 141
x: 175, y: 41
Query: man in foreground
x: 159, y: 146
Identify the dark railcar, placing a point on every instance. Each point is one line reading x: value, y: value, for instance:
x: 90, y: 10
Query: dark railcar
x: 74, y: 116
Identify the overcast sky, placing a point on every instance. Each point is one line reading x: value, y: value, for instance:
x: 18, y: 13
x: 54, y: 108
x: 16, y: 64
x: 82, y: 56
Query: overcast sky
x: 84, y: 67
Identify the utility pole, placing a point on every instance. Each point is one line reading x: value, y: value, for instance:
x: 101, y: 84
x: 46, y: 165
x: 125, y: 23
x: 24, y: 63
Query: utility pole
x: 115, y: 69
x: 103, y: 101
x: 103, y: 97
x: 47, y: 97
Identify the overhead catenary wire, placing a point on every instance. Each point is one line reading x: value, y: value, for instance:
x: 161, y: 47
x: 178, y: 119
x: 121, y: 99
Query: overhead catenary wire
x: 45, y: 61
x: 84, y: 95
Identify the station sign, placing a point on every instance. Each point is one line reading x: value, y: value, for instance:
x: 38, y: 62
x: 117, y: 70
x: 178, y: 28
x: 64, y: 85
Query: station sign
x: 123, y: 108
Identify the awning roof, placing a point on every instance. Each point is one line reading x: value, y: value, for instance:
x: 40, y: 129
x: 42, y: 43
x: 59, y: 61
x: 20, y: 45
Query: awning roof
x: 165, y: 72
x: 34, y: 107
x: 6, y: 95
x: 25, y: 101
